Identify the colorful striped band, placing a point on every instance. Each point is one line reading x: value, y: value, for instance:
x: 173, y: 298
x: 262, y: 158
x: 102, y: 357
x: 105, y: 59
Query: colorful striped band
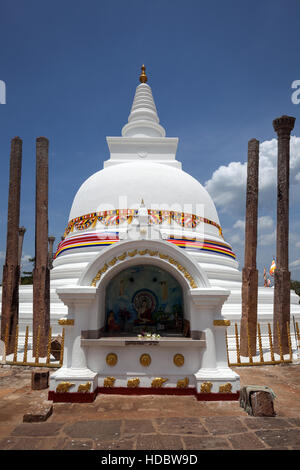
x: 109, y: 238
x: 120, y: 216
x: 203, y: 245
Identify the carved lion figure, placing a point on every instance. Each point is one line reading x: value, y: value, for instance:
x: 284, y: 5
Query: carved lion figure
x: 206, y: 387
x: 158, y: 382
x: 64, y: 387
x: 132, y: 383
x: 84, y: 388
x: 109, y: 382
x: 226, y: 388
x: 183, y: 383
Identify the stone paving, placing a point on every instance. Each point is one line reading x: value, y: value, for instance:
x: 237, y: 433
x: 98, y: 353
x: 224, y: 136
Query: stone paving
x: 118, y: 422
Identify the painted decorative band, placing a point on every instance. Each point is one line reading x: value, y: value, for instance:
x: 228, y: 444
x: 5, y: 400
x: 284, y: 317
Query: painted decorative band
x: 120, y: 216
x: 109, y: 238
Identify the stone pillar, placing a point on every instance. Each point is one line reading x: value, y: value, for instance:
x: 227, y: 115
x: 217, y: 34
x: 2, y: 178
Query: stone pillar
x: 283, y: 127
x: 51, y: 241
x: 11, y: 268
x: 250, y: 273
x: 41, y: 274
x: 22, y: 231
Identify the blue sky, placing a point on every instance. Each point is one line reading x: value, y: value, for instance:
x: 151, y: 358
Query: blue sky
x: 220, y: 72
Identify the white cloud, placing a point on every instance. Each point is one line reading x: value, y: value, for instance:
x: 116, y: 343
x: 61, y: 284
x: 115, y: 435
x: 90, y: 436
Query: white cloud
x: 295, y: 263
x: 265, y: 222
x: 235, y: 239
x: 267, y: 239
x: 26, y: 258
x: 240, y: 224
x: 227, y: 186
x: 26, y: 265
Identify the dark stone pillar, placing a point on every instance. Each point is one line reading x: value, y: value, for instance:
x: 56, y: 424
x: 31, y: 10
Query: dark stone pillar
x: 41, y: 274
x: 11, y: 269
x: 283, y: 127
x: 51, y: 241
x: 22, y: 231
x: 250, y: 273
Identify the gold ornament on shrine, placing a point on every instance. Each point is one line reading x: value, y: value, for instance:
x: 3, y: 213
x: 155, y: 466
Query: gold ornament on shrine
x: 111, y: 359
x: 206, y: 387
x: 183, y: 383
x: 226, y: 388
x: 109, y: 382
x: 84, y: 388
x: 158, y: 382
x: 143, y: 76
x: 221, y: 322
x: 133, y: 383
x: 66, y: 321
x: 145, y: 360
x: 64, y: 387
x: 178, y: 360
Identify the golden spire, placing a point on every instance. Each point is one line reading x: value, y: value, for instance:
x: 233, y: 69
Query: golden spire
x: 143, y: 76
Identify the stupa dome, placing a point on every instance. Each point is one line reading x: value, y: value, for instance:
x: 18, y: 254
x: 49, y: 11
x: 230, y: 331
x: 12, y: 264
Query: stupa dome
x: 162, y: 187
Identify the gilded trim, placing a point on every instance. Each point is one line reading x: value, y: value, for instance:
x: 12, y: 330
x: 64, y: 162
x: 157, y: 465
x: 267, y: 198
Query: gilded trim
x: 145, y: 252
x: 221, y: 322
x: 66, y: 322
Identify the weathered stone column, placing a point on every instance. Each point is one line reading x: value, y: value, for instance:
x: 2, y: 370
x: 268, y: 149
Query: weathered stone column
x: 51, y: 241
x: 22, y: 231
x: 11, y: 269
x: 283, y: 127
x: 41, y: 274
x: 250, y: 273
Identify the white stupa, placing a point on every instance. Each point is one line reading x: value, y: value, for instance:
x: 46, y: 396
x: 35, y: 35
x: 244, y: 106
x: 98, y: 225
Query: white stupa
x: 144, y: 251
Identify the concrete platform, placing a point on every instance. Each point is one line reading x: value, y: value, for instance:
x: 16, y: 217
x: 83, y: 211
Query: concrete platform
x: 118, y: 422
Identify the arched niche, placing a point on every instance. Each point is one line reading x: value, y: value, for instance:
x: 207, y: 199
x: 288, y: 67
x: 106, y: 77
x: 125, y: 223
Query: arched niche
x: 144, y: 297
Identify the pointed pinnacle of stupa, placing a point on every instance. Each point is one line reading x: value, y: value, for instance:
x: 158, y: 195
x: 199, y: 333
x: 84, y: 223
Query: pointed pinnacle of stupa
x: 143, y: 76
x: 143, y: 119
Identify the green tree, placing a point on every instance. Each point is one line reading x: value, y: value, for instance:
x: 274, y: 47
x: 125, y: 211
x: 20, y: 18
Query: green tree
x: 27, y: 276
x: 295, y: 285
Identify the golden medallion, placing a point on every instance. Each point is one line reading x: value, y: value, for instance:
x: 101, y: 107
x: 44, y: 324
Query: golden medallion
x: 145, y: 360
x: 111, y: 359
x: 178, y: 360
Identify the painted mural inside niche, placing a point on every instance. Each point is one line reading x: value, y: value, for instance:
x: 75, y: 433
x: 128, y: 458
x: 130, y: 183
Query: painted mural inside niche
x: 144, y: 298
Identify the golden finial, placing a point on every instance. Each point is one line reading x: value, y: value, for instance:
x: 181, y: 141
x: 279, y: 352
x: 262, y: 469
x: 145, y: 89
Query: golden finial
x: 143, y: 76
